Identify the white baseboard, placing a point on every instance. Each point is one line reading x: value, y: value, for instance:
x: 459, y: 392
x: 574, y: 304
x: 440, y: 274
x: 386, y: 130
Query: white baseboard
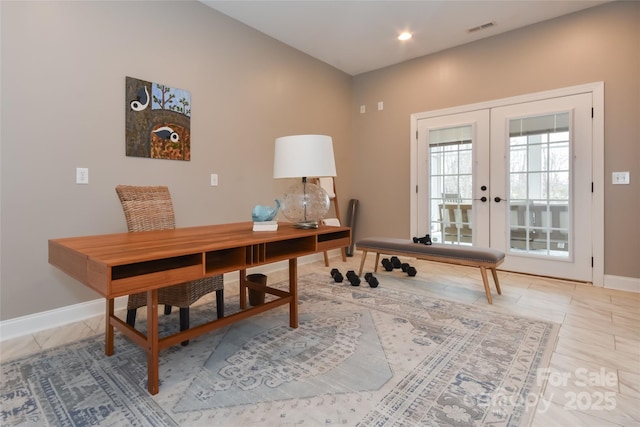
x: 32, y: 323
x: 622, y: 283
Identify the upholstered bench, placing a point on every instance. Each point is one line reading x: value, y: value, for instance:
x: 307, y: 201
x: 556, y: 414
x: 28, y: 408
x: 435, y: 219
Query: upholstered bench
x: 484, y: 258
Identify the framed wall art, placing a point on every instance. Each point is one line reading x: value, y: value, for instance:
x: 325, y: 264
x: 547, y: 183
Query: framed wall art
x: 158, y: 121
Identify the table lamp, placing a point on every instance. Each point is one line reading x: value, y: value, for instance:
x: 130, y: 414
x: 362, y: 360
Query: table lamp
x: 304, y: 156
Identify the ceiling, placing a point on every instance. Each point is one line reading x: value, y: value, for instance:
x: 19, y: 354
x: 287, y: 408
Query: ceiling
x: 361, y: 36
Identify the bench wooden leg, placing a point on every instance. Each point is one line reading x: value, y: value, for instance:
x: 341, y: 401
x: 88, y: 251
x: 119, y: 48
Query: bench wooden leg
x: 375, y: 267
x: 485, y: 281
x: 364, y: 258
x: 495, y: 279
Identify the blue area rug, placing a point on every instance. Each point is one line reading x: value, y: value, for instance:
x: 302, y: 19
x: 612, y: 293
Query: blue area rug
x: 360, y: 356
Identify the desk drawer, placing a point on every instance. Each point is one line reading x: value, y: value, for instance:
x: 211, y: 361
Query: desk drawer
x: 333, y: 244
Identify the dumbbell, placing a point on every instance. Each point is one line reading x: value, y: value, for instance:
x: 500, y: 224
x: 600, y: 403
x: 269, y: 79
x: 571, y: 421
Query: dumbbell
x: 353, y: 278
x: 395, y: 261
x: 336, y: 275
x: 426, y: 240
x: 411, y: 271
x: 371, y: 280
x: 387, y: 264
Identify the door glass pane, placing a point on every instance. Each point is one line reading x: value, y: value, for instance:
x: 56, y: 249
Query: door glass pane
x: 451, y: 180
x: 539, y: 180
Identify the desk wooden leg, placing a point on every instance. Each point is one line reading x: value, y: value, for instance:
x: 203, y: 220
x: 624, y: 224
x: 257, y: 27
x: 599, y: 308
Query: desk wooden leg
x: 153, y: 375
x: 243, y: 289
x: 108, y: 329
x: 293, y: 290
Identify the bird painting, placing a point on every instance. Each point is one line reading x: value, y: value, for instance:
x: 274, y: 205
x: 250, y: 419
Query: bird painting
x: 158, y: 120
x: 165, y: 132
x: 169, y: 141
x: 142, y: 101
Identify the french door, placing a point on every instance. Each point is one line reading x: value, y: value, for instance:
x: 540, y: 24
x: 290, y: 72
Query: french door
x: 454, y: 163
x: 516, y: 178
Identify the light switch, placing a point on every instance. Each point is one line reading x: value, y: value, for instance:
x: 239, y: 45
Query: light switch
x: 380, y: 106
x: 620, y: 178
x: 363, y: 109
x: 214, y: 179
x: 82, y: 175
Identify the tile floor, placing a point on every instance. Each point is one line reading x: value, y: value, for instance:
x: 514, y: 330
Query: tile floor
x: 595, y: 368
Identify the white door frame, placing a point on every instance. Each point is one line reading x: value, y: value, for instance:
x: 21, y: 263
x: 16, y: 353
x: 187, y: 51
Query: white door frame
x: 597, y: 207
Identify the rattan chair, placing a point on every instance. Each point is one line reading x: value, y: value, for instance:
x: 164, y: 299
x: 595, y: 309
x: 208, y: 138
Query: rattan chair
x: 150, y: 208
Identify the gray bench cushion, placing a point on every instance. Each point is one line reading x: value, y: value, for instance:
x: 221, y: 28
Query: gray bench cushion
x: 469, y: 253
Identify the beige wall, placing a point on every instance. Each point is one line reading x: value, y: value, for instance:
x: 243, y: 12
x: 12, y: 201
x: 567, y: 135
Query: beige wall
x: 63, y: 106
x: 62, y: 103
x: 598, y: 44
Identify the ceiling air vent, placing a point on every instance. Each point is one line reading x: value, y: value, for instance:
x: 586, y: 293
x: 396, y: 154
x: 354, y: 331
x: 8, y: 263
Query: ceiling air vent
x: 481, y: 27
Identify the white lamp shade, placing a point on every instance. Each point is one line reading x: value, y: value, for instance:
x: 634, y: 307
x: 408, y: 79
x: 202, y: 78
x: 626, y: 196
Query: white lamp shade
x: 298, y: 156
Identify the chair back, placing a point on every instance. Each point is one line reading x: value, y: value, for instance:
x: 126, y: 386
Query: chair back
x: 147, y: 208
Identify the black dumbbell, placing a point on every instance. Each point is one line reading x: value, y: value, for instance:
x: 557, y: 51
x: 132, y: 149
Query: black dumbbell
x: 387, y: 264
x: 411, y: 271
x: 336, y: 275
x: 353, y: 278
x: 405, y: 265
x: 426, y: 240
x: 395, y: 261
x: 371, y: 280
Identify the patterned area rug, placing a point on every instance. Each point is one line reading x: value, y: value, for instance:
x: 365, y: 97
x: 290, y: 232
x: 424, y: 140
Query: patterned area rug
x: 361, y: 356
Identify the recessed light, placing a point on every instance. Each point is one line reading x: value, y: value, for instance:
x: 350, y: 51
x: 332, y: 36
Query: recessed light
x: 405, y: 36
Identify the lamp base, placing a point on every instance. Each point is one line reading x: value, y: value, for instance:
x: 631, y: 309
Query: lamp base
x: 306, y: 225
x: 305, y: 204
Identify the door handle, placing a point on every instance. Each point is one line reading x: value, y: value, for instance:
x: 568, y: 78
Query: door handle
x: 497, y: 199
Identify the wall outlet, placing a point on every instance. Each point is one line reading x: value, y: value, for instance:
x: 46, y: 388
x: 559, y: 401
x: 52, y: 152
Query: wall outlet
x: 214, y: 179
x: 380, y: 106
x: 620, y: 178
x: 82, y: 175
x: 363, y: 109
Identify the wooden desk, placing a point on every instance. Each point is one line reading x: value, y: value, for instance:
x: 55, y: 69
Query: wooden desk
x: 115, y: 265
